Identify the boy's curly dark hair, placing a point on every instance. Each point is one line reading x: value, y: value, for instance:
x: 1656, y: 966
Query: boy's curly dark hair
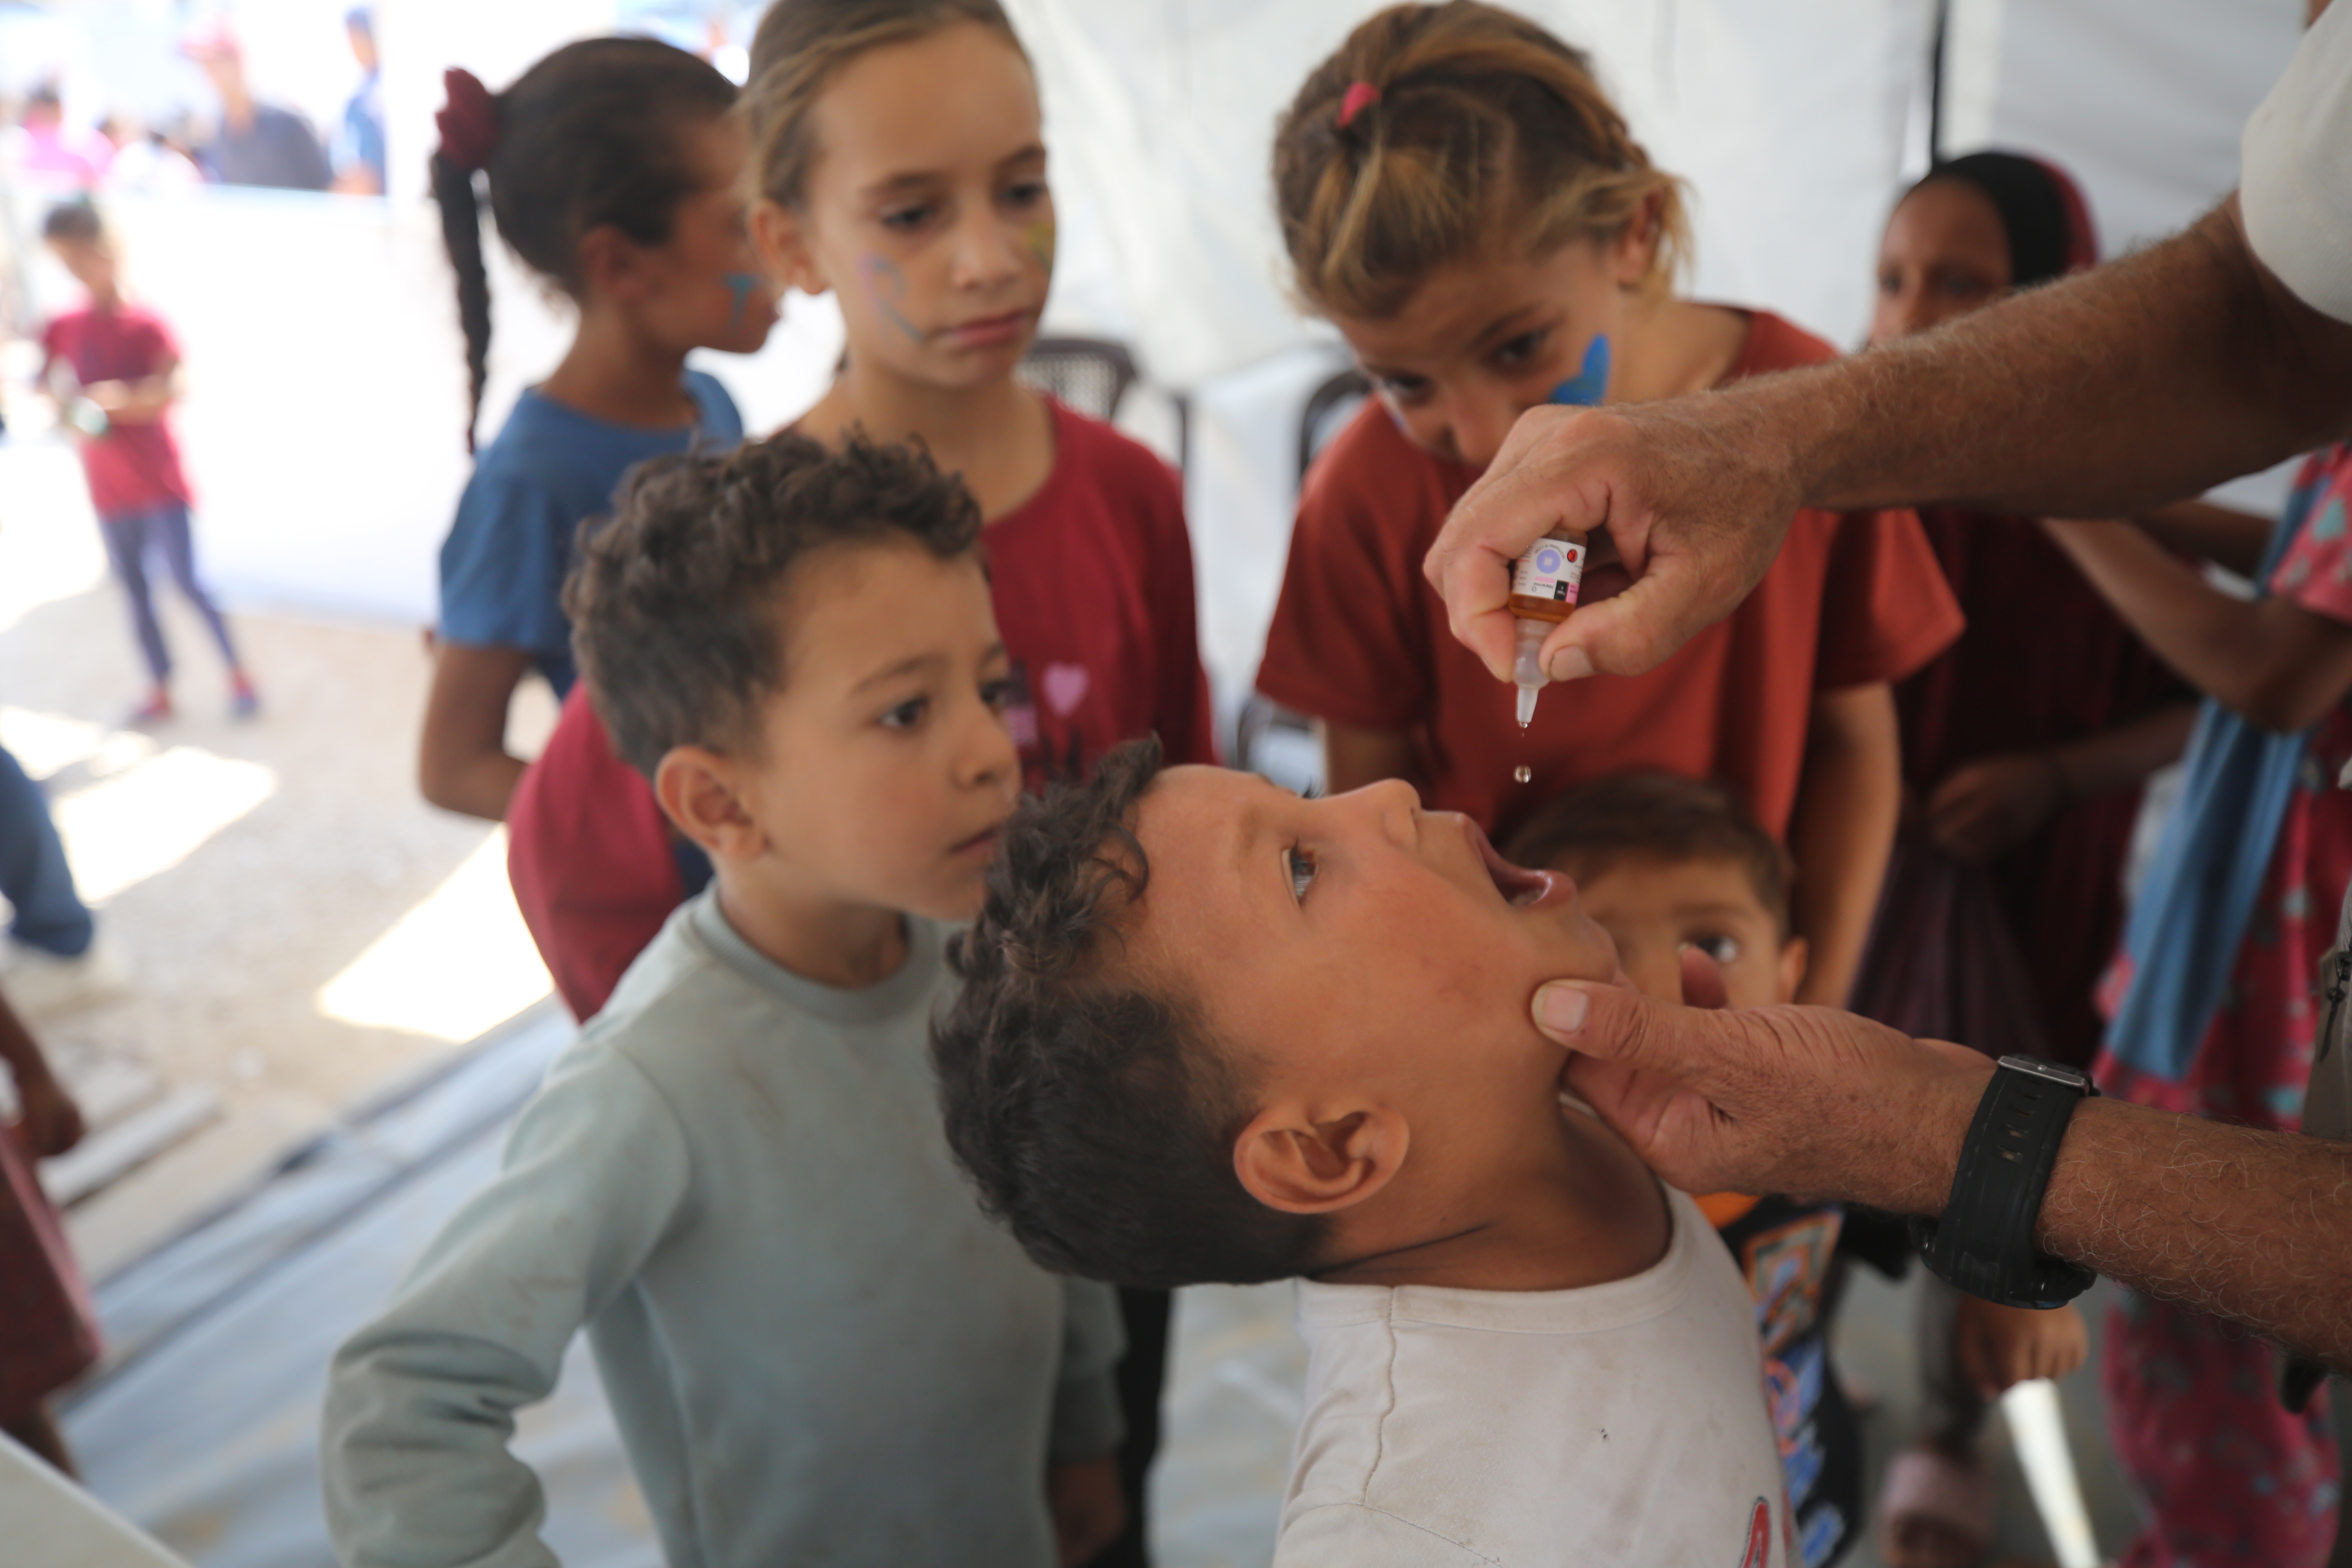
x: 675, y: 605
x: 1093, y: 1112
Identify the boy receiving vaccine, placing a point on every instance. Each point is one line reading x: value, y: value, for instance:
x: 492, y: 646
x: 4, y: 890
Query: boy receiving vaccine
x: 816, y: 1347
x: 1212, y: 1031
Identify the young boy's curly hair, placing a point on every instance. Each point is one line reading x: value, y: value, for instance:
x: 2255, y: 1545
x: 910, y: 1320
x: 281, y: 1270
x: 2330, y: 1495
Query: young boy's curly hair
x: 1092, y: 1109
x: 677, y: 602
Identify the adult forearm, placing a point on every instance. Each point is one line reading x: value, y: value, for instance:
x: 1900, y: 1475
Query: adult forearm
x: 2115, y: 391
x: 2256, y: 1227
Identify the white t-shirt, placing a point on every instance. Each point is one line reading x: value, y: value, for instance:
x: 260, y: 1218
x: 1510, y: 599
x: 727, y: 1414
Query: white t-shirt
x: 2294, y: 188
x: 1622, y: 1424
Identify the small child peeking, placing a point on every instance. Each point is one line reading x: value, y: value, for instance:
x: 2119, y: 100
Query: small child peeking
x: 816, y: 1347
x: 1668, y: 866
x: 1212, y: 1031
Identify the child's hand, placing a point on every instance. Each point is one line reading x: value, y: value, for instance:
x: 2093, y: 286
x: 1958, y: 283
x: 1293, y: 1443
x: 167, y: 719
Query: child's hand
x: 1994, y: 803
x: 1088, y: 1509
x: 1999, y: 1346
x: 52, y: 1121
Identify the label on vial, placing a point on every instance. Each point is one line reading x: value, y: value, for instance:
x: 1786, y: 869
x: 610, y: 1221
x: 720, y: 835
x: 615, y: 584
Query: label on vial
x: 1551, y: 568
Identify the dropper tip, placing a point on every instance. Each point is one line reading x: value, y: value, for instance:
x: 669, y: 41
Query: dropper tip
x: 1527, y: 705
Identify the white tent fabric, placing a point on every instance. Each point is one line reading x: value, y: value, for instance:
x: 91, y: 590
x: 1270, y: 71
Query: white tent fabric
x: 326, y: 394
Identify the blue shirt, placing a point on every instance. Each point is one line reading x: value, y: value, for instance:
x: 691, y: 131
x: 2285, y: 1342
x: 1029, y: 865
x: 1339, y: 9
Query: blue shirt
x: 550, y: 469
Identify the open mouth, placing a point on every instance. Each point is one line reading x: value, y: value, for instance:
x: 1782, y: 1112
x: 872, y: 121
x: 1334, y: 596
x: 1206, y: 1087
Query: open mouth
x: 1521, y: 889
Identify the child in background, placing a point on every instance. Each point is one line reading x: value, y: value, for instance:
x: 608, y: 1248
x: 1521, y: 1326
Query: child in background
x: 816, y: 1347
x: 52, y: 1329
x: 940, y: 290
x: 1212, y: 1031
x: 1463, y: 203
x: 613, y: 167
x: 898, y: 162
x: 1670, y: 866
x: 2024, y: 746
x: 2215, y: 1001
x: 126, y: 370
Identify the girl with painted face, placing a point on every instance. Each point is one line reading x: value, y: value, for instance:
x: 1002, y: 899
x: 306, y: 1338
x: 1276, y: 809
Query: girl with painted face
x: 613, y: 168
x: 1461, y: 200
x: 897, y: 161
x: 2024, y: 749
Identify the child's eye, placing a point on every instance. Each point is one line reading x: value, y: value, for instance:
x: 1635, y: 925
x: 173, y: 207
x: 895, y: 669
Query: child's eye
x: 1404, y: 389
x: 997, y: 694
x: 1723, y: 950
x: 906, y: 219
x: 1521, y: 349
x: 1301, y: 861
x: 1028, y: 193
x: 907, y: 714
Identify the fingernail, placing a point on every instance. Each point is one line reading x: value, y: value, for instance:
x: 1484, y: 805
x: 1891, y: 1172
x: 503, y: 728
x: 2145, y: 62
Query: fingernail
x: 1571, y: 664
x: 1561, y: 1009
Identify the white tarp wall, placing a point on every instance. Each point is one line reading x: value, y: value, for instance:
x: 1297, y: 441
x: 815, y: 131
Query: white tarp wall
x: 327, y: 393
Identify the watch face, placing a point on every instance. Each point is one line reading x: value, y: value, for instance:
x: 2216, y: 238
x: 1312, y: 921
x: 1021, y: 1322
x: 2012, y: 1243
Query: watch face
x: 2036, y: 1066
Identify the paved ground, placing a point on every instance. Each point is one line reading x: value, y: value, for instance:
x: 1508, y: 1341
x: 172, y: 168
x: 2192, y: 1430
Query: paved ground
x: 302, y: 929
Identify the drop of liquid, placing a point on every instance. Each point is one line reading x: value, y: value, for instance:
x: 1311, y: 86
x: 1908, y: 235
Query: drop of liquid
x: 1523, y: 772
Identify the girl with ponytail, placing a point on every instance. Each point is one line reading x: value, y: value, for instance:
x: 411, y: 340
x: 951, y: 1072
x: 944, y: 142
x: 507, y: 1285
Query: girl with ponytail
x: 613, y: 169
x: 1463, y: 202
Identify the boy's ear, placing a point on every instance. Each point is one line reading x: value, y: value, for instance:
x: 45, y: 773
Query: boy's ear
x: 1794, y: 955
x: 1288, y: 1159
x: 780, y: 237
x: 697, y: 789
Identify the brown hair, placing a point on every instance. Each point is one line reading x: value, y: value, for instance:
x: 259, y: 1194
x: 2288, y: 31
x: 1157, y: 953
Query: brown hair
x: 590, y: 136
x: 1660, y: 818
x: 1483, y: 132
x: 673, y: 605
x: 1095, y: 1113
x: 802, y: 44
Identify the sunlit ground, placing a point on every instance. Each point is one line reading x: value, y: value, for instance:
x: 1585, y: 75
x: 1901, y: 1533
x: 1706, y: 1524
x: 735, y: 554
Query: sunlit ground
x: 300, y: 928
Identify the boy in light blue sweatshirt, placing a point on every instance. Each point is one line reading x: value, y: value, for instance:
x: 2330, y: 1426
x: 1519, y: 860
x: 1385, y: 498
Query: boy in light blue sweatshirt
x: 816, y: 1347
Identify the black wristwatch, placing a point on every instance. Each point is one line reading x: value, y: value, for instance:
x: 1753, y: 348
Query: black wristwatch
x: 1984, y: 1243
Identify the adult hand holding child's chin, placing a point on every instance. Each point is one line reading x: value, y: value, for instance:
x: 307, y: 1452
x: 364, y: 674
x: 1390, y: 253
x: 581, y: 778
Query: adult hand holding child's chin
x: 1773, y: 1099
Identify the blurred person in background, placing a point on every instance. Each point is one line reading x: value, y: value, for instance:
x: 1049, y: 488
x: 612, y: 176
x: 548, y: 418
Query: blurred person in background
x: 53, y: 961
x: 45, y: 149
x: 146, y: 161
x: 357, y: 149
x: 113, y: 367
x: 256, y: 143
x: 51, y: 1333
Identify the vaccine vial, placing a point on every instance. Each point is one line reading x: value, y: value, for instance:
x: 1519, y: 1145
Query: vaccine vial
x: 1544, y: 583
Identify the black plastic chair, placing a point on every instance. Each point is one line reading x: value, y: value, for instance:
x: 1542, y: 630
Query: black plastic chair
x: 1329, y: 407
x: 1091, y: 374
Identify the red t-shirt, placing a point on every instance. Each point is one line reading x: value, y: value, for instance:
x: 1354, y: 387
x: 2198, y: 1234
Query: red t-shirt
x: 1360, y: 638
x: 131, y: 468
x: 1092, y: 582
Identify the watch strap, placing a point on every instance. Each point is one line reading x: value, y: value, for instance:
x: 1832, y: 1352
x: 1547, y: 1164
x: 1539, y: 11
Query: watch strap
x: 1984, y: 1242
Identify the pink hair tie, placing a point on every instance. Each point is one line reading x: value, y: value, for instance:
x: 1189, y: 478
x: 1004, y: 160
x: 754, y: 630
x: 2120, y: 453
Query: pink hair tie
x: 1360, y: 96
x: 468, y: 123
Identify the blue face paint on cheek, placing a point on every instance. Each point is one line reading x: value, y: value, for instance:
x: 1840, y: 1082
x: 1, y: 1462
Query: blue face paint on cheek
x: 741, y: 285
x: 1589, y: 385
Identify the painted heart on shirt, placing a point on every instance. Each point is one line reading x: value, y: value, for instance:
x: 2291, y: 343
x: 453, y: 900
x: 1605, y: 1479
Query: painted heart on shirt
x: 1065, y: 686
x: 2330, y: 525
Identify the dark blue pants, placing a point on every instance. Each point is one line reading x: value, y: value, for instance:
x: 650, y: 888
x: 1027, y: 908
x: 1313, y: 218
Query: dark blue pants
x: 34, y: 876
x: 164, y: 531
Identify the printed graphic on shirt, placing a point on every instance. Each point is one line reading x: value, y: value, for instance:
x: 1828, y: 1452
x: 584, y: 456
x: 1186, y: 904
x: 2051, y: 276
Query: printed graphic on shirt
x: 1784, y: 1251
x: 1759, y: 1537
x: 1052, y: 748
